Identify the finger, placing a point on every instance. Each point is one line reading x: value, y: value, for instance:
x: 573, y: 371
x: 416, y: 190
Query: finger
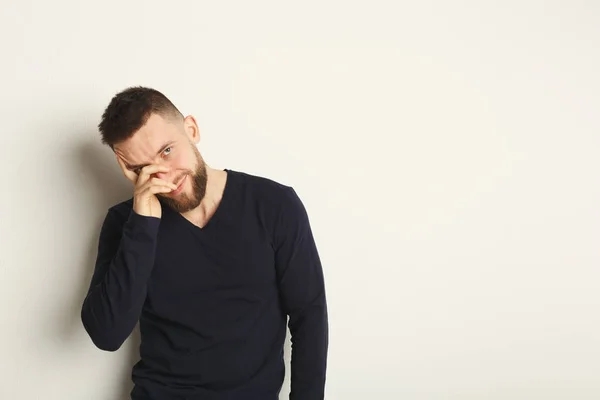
x: 144, y: 188
x: 151, y: 169
x: 132, y: 176
x: 154, y: 182
x: 159, y: 189
x: 151, y: 190
x: 158, y: 181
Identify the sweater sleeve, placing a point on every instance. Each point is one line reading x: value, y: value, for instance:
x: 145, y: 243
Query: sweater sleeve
x: 118, y: 287
x: 302, y: 290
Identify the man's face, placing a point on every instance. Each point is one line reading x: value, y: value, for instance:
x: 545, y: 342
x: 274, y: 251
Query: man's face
x: 173, y: 144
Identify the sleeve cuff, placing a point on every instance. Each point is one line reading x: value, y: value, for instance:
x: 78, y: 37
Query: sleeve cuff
x: 137, y: 223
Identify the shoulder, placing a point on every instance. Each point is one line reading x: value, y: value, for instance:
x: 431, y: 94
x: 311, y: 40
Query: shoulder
x: 267, y: 190
x: 278, y: 202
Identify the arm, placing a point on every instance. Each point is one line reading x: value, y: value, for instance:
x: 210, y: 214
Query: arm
x: 117, y: 291
x: 302, y: 290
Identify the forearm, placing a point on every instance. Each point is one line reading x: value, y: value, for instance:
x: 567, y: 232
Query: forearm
x: 309, y: 329
x: 302, y: 288
x: 117, y: 292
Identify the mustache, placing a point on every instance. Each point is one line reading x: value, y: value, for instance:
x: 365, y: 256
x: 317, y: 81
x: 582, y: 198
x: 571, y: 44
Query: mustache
x: 181, y: 177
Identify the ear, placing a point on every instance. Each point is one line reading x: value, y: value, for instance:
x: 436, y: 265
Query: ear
x: 191, y: 129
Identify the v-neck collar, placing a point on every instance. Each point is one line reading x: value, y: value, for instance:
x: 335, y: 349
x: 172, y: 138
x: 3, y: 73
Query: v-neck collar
x: 220, y: 208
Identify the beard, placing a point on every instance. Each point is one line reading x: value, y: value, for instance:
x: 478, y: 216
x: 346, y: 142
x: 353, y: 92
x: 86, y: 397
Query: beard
x: 185, y: 202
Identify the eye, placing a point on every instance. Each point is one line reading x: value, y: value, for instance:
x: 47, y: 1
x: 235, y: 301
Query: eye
x: 167, y: 151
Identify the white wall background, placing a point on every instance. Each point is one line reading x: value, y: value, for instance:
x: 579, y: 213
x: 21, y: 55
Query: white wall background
x: 447, y: 152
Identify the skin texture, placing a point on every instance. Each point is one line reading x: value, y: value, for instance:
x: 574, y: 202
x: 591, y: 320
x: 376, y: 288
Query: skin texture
x: 161, y: 159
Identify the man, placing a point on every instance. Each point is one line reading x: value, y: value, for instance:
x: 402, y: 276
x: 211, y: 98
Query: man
x: 210, y: 262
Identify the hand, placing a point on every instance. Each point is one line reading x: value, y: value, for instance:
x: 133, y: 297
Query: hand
x: 146, y: 187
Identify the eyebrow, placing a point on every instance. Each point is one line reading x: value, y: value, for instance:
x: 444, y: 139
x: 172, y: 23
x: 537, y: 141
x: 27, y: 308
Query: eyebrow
x: 162, y: 148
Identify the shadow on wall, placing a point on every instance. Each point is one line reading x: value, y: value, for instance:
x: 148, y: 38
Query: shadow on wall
x: 102, y: 186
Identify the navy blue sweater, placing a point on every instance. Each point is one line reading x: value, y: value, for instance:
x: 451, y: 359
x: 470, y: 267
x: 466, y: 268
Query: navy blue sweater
x: 212, y: 302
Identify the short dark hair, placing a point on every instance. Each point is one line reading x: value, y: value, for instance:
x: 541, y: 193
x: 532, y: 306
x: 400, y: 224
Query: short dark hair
x: 129, y: 110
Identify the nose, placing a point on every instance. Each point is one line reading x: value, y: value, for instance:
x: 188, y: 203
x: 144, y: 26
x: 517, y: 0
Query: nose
x: 165, y: 176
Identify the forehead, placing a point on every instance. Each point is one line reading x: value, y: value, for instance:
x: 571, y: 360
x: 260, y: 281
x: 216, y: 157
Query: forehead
x: 149, y: 139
